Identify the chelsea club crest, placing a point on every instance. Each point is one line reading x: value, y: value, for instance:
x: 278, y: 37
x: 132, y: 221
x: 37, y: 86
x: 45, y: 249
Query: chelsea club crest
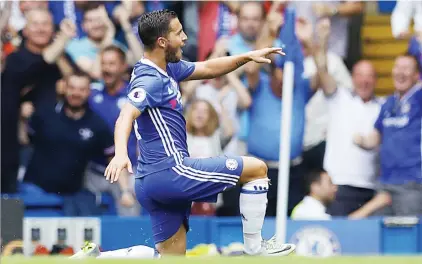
x: 316, y: 241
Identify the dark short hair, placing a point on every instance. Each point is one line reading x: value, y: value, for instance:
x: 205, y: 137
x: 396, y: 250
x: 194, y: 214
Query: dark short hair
x: 413, y: 57
x: 118, y: 50
x: 312, y: 177
x: 153, y: 25
x: 90, y: 6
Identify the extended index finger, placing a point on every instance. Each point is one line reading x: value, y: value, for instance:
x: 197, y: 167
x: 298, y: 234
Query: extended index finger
x: 277, y: 50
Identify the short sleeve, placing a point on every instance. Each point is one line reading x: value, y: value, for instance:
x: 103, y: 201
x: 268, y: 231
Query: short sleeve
x: 182, y: 69
x: 75, y: 50
x: 145, y: 91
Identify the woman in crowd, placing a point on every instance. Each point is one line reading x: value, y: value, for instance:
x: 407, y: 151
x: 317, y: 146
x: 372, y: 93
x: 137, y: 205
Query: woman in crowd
x: 206, y: 137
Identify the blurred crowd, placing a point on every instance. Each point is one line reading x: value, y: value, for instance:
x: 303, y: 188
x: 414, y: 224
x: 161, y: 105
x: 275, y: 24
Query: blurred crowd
x: 65, y: 66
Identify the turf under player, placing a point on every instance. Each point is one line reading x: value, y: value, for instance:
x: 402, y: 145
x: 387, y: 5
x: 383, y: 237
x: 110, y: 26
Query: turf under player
x: 168, y: 180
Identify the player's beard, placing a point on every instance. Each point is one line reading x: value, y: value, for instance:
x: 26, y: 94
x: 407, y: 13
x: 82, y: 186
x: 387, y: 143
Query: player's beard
x: 171, y: 54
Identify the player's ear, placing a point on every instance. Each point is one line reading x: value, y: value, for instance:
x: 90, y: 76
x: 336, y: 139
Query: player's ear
x: 162, y: 42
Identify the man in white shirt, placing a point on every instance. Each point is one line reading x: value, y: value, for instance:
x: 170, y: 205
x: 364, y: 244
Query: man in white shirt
x: 317, y: 114
x: 320, y: 192
x: 353, y: 169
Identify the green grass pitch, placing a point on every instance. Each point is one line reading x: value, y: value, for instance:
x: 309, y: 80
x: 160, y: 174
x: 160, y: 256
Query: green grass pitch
x: 221, y: 260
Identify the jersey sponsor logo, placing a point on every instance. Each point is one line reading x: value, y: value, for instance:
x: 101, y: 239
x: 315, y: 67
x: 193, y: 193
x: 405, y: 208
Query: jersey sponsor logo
x: 86, y: 133
x: 405, y: 108
x: 137, y: 95
x: 231, y: 164
x: 396, y: 121
x: 316, y: 241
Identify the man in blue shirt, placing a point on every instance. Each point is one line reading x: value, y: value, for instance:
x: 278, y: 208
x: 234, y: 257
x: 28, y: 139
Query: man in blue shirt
x: 398, y: 133
x: 65, y: 138
x: 107, y: 99
x: 168, y: 180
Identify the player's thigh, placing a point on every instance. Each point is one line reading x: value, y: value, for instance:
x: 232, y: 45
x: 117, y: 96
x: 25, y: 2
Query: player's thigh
x: 253, y: 169
x: 203, y: 179
x: 175, y: 245
x: 166, y: 217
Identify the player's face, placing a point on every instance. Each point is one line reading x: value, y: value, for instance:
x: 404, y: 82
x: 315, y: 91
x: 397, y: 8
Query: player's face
x: 364, y: 80
x: 77, y: 92
x: 112, y: 67
x: 200, y: 115
x: 39, y: 29
x: 93, y: 25
x: 405, y: 74
x: 175, y: 41
x: 250, y: 21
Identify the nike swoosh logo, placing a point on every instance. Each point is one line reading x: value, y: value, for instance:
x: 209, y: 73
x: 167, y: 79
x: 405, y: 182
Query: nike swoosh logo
x: 285, y: 249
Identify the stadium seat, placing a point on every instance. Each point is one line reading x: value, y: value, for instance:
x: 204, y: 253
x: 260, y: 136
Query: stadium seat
x: 43, y: 212
x: 377, y: 19
x: 384, y: 50
x: 383, y: 67
x: 33, y: 196
x: 386, y: 7
x: 38, y: 203
x: 108, y: 206
x: 380, y: 47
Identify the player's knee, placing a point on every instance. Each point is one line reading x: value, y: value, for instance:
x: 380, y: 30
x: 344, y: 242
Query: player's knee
x: 261, y: 169
x: 254, y: 169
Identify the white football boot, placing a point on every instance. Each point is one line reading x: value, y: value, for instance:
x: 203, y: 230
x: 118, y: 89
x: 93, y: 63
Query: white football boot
x: 273, y: 248
x: 88, y: 250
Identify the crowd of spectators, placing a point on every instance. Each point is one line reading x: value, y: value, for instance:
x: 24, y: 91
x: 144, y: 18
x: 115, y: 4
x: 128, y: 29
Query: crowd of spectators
x: 65, y: 66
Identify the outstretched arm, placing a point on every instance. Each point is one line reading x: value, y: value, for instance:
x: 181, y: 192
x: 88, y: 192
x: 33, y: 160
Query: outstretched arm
x: 216, y: 67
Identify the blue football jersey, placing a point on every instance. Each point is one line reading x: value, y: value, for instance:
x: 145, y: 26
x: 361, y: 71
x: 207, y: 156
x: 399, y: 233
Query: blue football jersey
x: 399, y: 123
x: 161, y: 127
x: 108, y: 108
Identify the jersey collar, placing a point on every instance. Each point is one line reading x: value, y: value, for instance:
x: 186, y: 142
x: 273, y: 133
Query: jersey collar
x: 152, y: 64
x: 409, y: 93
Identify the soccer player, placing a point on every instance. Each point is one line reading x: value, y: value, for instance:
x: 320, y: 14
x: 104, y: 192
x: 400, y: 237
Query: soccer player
x: 168, y: 180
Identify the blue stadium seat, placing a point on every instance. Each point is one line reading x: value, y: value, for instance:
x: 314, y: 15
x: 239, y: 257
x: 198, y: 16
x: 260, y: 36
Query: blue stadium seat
x: 108, y: 205
x: 43, y: 212
x: 33, y: 196
x: 386, y: 7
